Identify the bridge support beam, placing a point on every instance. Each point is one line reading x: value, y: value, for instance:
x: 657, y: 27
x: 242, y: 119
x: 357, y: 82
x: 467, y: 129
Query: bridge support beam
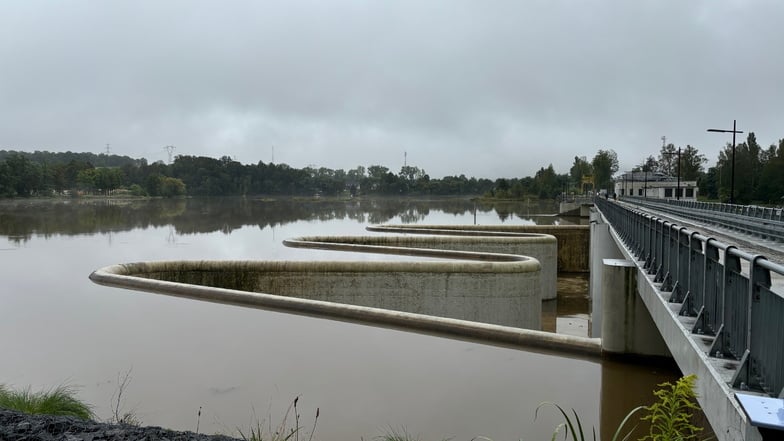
x: 627, y: 327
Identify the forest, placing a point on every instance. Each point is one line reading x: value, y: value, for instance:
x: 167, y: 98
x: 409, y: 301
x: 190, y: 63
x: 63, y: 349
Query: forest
x: 25, y: 174
x: 759, y: 176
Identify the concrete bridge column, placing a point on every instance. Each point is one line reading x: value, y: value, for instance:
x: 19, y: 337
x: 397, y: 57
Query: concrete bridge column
x: 627, y: 327
x: 602, y: 247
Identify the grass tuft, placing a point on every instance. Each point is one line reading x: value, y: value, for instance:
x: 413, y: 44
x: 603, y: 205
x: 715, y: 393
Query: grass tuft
x: 401, y: 434
x: 58, y: 401
x: 283, y: 432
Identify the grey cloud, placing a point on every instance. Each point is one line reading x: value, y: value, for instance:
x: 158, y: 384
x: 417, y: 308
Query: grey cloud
x: 481, y: 88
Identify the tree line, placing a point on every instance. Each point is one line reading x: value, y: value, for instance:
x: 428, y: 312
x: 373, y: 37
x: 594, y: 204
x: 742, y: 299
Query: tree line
x: 759, y: 176
x: 24, y: 174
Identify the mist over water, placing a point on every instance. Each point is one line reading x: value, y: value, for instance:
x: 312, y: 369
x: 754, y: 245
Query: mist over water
x: 242, y: 365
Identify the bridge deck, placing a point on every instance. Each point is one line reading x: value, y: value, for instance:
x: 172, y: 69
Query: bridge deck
x: 771, y: 249
x: 723, y: 297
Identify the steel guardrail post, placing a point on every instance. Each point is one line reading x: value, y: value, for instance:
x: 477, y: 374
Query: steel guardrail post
x: 680, y: 287
x: 695, y: 294
x: 667, y: 258
x: 726, y: 343
x: 707, y: 317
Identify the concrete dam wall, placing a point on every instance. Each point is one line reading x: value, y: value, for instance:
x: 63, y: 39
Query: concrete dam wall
x: 454, y: 285
x: 541, y: 247
x: 573, y: 241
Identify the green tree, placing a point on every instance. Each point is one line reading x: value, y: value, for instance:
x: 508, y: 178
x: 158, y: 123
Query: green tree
x: 170, y: 187
x: 650, y: 165
x: 24, y: 176
x: 771, y: 188
x: 691, y: 163
x: 605, y: 165
x: 107, y: 179
x: 87, y: 179
x: 668, y: 158
x: 708, y: 183
x: 580, y: 167
x: 546, y: 183
x: 748, y: 167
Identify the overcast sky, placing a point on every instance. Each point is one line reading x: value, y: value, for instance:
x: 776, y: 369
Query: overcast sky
x: 481, y: 88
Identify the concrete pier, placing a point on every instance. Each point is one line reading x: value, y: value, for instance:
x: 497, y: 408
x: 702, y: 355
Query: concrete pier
x: 602, y: 247
x: 627, y: 327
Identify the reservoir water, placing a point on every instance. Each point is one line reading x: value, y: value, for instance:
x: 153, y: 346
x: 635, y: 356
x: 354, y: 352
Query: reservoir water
x: 240, y: 365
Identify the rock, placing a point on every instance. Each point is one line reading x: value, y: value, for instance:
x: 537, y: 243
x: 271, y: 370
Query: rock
x: 17, y: 426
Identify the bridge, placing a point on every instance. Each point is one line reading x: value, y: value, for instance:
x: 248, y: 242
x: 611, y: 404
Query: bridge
x: 690, y: 280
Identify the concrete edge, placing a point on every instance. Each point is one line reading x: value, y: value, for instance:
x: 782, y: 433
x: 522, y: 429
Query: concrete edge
x: 518, y: 229
x: 119, y: 276
x: 460, y: 233
x: 492, y: 263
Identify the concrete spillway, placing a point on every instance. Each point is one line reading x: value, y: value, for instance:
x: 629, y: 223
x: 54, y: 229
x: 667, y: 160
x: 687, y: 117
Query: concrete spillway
x: 467, y: 292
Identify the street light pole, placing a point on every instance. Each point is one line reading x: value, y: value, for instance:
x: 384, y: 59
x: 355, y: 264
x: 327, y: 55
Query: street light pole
x: 678, y: 188
x: 732, y: 174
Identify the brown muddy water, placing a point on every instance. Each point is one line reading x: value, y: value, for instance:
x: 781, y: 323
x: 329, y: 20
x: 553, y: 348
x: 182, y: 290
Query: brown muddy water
x: 240, y: 365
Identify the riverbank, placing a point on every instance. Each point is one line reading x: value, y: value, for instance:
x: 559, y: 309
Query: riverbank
x: 17, y: 426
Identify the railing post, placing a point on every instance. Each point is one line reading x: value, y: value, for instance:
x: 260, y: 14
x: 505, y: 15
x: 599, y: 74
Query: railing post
x: 707, y: 317
x: 751, y: 373
x: 668, y: 249
x: 695, y: 293
x: 681, y: 257
x: 726, y: 340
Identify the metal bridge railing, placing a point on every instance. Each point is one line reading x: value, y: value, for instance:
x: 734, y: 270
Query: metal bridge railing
x: 753, y: 211
x: 759, y: 221
x: 740, y: 310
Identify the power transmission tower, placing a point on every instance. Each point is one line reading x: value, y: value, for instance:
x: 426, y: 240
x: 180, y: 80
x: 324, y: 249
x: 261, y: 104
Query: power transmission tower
x: 108, y: 149
x: 170, y: 150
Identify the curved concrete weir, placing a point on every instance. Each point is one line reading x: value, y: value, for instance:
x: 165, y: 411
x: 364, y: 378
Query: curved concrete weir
x: 542, y: 247
x: 492, y: 297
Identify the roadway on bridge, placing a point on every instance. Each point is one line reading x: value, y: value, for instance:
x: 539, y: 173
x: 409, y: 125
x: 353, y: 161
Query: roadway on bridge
x: 772, y: 250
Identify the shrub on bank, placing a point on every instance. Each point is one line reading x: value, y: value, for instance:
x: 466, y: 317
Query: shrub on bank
x: 58, y: 401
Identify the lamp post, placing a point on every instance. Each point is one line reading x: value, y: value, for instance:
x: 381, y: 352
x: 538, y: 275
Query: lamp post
x: 732, y: 174
x: 678, y: 166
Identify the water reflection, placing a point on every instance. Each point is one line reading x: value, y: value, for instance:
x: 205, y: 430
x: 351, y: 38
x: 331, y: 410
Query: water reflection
x: 20, y: 220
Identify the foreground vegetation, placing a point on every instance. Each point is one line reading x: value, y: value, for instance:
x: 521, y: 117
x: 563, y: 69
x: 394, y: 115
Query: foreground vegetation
x: 58, y: 401
x: 669, y: 418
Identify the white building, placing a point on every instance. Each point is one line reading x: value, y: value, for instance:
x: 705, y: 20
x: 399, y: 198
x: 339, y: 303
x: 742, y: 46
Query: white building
x: 655, y: 185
